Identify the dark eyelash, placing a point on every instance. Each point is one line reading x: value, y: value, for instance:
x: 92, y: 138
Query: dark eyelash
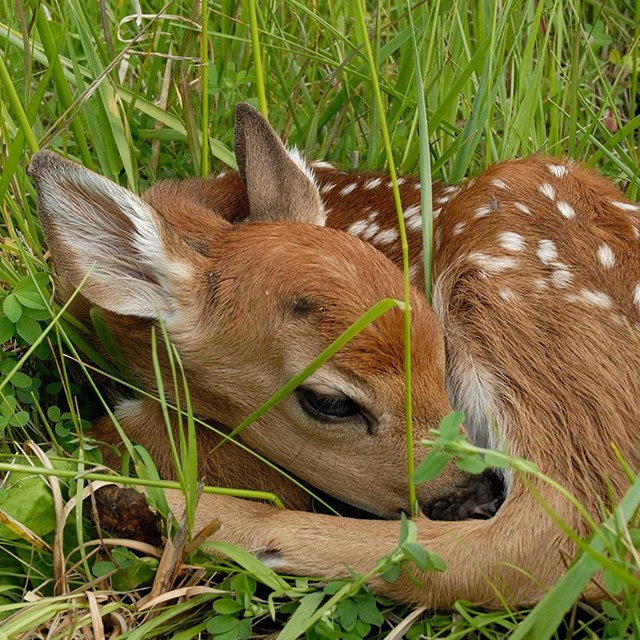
x: 329, y: 407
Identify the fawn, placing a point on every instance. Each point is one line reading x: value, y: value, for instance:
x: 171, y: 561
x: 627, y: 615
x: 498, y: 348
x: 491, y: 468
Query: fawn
x: 533, y: 334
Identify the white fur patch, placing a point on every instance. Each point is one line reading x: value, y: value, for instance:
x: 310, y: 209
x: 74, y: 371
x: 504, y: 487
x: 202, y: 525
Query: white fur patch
x: 321, y: 164
x: 566, y: 210
x: 414, y: 223
x: 547, y: 251
x: 596, y: 298
x: 370, y: 231
x: 558, y: 170
x: 561, y: 276
x: 499, y: 184
x: 636, y: 295
x: 438, y: 239
x: 372, y: 183
x: 506, y: 294
x: 547, y: 190
x: 345, y: 191
x: 327, y: 187
x: 459, y: 228
x: 511, y: 241
x: 298, y: 159
x: 386, y: 237
x: 411, y: 211
x: 481, y: 212
x: 606, y: 256
x: 358, y: 228
x: 522, y: 207
x: 625, y: 206
x: 540, y: 284
x: 472, y: 390
x: 493, y: 264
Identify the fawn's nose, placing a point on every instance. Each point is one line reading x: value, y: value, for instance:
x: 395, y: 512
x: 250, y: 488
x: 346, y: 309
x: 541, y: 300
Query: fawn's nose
x: 479, y: 497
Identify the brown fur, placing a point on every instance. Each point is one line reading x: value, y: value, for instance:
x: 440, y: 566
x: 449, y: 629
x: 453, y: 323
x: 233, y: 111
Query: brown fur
x: 538, y: 344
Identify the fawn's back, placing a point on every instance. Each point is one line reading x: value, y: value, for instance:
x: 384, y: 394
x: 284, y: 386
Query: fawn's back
x: 536, y: 276
x: 537, y: 285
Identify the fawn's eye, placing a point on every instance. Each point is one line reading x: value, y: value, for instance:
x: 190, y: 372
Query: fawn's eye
x: 334, y: 407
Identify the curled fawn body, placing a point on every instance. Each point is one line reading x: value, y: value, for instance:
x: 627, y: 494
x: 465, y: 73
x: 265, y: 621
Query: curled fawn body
x: 533, y: 334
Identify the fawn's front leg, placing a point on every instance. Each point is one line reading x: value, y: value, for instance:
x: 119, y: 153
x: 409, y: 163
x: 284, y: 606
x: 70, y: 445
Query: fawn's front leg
x: 511, y: 558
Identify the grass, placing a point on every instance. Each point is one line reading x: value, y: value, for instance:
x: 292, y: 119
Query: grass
x: 144, y: 97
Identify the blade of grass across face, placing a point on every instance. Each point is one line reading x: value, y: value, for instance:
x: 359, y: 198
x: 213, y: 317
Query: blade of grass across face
x: 364, y: 38
x: 367, y: 318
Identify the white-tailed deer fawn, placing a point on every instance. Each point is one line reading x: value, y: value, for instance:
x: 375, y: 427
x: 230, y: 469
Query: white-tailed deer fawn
x: 533, y: 334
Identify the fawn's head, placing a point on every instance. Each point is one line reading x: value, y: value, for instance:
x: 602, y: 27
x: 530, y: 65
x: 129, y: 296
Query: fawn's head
x: 248, y: 305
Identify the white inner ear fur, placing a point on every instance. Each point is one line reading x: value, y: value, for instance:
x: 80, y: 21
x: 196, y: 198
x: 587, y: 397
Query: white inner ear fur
x: 130, y: 273
x: 298, y: 159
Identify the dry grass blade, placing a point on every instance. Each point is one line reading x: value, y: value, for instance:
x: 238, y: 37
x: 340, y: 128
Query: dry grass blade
x: 60, y: 582
x: 177, y: 594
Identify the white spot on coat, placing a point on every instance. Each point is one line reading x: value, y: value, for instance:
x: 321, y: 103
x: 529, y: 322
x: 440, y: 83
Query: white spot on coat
x: 414, y: 223
x: 636, y: 296
x: 370, y: 231
x: 359, y: 227
x: 506, y: 294
x: 558, y: 170
x: 540, y: 284
x: 411, y: 211
x: 606, y: 256
x: 321, y: 164
x: 345, y: 191
x: 373, y: 183
x: 596, y: 298
x: 547, y: 251
x: 547, y: 190
x: 481, y: 212
x: 499, y: 184
x: 561, y: 276
x: 327, y: 187
x: 511, y: 241
x: 459, y: 228
x: 492, y: 264
x: 386, y: 237
x: 522, y: 207
x: 566, y: 210
x: 625, y: 206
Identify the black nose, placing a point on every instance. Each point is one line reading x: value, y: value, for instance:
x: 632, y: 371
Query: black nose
x: 478, y: 498
x: 486, y: 511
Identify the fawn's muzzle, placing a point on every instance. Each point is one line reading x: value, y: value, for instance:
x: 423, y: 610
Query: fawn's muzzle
x: 479, y: 498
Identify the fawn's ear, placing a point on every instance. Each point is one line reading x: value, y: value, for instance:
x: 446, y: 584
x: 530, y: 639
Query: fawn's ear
x: 95, y: 227
x: 280, y: 185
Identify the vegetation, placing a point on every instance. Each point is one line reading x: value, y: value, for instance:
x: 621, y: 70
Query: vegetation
x: 141, y: 94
